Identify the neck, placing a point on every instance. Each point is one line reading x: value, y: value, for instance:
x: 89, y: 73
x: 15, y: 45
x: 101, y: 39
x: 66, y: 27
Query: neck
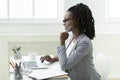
x: 76, y: 34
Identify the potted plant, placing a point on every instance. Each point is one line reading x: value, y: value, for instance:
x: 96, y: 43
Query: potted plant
x: 16, y: 51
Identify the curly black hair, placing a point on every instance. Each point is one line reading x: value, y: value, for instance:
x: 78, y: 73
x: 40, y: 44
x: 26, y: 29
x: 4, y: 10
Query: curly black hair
x: 85, y: 22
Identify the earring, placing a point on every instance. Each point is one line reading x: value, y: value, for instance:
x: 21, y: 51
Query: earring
x: 84, y: 30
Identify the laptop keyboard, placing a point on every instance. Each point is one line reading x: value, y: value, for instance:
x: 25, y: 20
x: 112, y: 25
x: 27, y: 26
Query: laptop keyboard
x: 34, y: 65
x: 30, y: 64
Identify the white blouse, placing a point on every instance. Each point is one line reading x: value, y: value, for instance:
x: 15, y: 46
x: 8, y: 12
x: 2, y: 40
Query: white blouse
x: 69, y: 49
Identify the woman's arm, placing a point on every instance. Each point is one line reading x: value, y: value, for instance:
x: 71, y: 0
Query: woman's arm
x: 55, y: 59
x: 49, y: 58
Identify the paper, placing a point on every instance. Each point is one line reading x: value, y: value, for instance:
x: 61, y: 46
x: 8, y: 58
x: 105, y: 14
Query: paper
x: 52, y: 71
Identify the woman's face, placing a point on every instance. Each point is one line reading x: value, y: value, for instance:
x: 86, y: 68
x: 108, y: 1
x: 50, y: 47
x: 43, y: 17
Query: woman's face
x: 68, y: 21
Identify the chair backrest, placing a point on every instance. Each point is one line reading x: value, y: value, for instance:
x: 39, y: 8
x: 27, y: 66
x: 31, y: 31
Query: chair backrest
x: 103, y: 64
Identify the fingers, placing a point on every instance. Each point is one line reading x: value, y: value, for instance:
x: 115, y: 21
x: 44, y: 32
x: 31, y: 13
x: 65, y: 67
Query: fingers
x: 42, y: 59
x: 47, y: 58
x: 64, y: 36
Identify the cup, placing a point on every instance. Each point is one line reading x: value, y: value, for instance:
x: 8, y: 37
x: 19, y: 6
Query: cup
x: 32, y: 55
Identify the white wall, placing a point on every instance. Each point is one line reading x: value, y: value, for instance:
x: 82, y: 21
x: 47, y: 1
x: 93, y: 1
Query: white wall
x: 30, y: 29
x: 4, y: 60
x: 98, y: 10
x: 109, y: 45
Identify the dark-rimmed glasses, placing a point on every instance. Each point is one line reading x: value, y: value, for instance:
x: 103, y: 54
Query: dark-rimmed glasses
x: 65, y: 20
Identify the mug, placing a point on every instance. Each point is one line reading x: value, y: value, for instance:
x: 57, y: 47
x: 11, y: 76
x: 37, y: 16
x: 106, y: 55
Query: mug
x: 32, y: 55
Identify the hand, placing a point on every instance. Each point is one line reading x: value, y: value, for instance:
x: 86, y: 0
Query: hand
x: 63, y: 37
x: 47, y: 58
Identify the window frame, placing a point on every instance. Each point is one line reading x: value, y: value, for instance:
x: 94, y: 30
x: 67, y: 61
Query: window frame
x: 107, y: 17
x: 32, y: 20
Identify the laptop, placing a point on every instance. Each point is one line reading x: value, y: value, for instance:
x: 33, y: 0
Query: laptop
x: 31, y: 64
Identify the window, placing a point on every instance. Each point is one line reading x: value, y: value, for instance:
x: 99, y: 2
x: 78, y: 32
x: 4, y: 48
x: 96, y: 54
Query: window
x: 112, y: 10
x: 31, y: 10
x: 20, y: 9
x: 3, y: 9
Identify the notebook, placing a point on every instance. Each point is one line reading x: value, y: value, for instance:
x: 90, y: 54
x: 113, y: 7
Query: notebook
x: 54, y: 70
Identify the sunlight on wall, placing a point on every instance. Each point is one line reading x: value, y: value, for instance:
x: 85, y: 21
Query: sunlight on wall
x: 3, y: 60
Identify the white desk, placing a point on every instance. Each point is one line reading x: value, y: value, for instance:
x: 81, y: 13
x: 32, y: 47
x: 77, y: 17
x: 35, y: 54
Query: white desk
x: 27, y: 78
x: 24, y: 77
x: 53, y: 70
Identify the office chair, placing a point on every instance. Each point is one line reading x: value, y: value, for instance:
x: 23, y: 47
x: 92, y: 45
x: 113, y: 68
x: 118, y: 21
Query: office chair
x: 103, y: 64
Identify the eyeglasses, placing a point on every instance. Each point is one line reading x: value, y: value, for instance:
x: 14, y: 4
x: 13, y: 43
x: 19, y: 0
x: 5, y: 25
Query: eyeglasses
x: 65, y: 20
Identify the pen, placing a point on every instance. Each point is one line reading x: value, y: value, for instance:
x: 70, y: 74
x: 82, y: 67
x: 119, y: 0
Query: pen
x: 12, y: 65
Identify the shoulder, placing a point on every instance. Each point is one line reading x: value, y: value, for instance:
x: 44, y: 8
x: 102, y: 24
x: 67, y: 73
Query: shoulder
x: 83, y: 37
x: 84, y: 40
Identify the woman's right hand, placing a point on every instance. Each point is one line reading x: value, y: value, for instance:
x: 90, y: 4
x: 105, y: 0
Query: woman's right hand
x: 47, y: 58
x: 63, y: 37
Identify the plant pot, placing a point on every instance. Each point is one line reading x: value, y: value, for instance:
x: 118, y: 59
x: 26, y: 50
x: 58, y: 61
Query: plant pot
x: 15, y: 56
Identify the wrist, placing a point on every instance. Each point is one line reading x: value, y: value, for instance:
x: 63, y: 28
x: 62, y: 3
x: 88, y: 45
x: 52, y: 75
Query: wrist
x: 54, y: 59
x: 62, y: 42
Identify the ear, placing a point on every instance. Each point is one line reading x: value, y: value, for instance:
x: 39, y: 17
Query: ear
x: 77, y: 22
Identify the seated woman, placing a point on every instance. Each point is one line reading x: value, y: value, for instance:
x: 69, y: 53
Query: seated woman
x: 77, y: 57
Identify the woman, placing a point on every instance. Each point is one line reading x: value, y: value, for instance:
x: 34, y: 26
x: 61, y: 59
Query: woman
x: 76, y: 58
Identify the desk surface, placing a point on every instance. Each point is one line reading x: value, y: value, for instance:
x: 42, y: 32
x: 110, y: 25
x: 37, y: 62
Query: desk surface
x: 52, y: 71
x: 27, y: 78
